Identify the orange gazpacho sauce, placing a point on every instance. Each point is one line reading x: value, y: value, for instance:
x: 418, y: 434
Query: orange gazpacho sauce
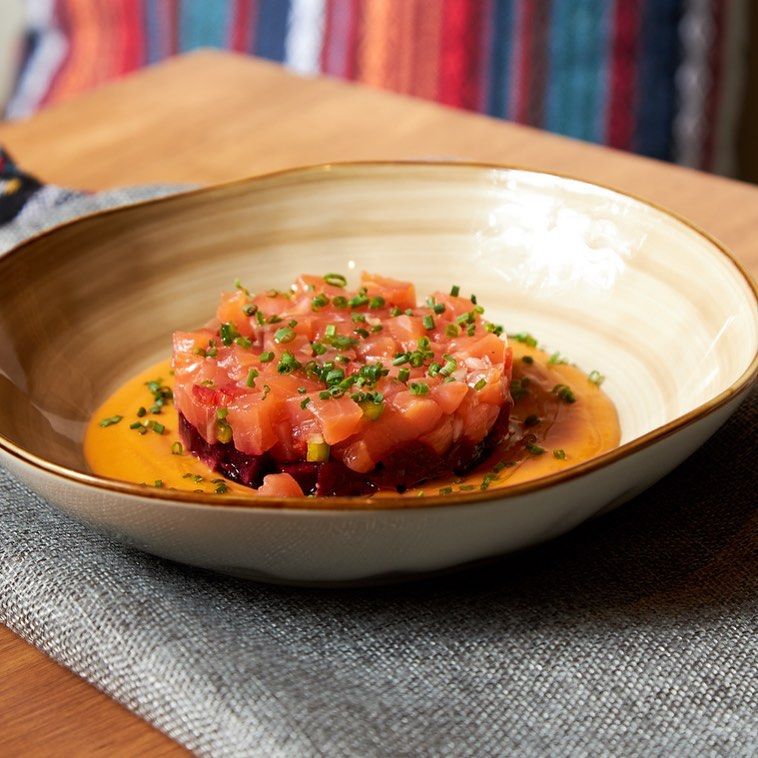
x: 548, y: 434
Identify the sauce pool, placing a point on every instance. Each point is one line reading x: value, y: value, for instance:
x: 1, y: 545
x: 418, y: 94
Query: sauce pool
x: 548, y: 434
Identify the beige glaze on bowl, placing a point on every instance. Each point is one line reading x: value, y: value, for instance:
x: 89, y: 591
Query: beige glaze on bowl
x: 615, y: 284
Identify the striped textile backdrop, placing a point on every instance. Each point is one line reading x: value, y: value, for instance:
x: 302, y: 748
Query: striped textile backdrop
x: 659, y: 77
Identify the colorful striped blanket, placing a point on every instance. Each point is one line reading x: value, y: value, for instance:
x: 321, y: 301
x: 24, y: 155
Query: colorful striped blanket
x: 659, y: 77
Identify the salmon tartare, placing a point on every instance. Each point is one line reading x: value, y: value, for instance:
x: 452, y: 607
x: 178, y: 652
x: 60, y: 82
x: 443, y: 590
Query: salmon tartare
x: 323, y: 390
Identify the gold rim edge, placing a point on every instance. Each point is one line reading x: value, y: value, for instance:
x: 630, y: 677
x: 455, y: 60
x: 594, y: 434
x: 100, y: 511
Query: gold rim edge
x: 343, y: 503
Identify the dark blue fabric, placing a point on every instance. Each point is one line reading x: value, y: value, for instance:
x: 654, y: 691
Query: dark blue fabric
x: 660, y: 54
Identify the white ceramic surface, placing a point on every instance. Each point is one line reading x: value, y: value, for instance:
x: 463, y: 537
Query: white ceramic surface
x: 616, y: 284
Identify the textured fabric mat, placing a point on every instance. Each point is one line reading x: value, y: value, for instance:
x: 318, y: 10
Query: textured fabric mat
x: 633, y: 635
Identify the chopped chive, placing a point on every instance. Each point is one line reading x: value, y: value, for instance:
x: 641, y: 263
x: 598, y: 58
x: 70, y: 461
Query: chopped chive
x: 331, y: 330
x: 250, y: 309
x: 377, y: 328
x: 527, y: 359
x: 339, y: 301
x: 564, y: 392
x: 495, y: 329
x: 251, y: 377
x: 395, y: 311
x: 596, y: 378
x: 428, y: 322
x: 532, y: 420
x: 525, y: 338
x: 158, y: 483
x: 481, y: 384
x: 400, y: 359
x: 404, y: 374
x: 222, y: 413
x: 243, y: 341
x: 324, y: 395
x: 301, y: 390
x: 358, y: 318
x: 452, y: 330
x: 438, y: 308
x: 220, y: 489
x: 285, y: 334
x: 466, y: 487
x: 535, y: 449
x: 376, y: 302
x: 177, y: 449
x: 455, y: 290
x: 287, y: 364
x: 473, y: 299
x: 560, y: 454
x: 555, y: 359
x: 361, y: 332
x: 266, y: 357
x: 471, y: 330
x: 238, y: 284
x: 320, y: 301
x: 158, y: 428
x: 446, y: 490
x: 110, y: 421
x: 304, y: 402
x: 260, y: 318
x: 228, y: 331
x: 136, y: 425
x: 141, y: 411
x: 318, y: 348
x: 419, y: 388
x: 335, y: 280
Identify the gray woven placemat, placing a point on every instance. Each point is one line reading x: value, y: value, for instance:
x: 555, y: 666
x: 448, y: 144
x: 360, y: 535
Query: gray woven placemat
x: 633, y: 635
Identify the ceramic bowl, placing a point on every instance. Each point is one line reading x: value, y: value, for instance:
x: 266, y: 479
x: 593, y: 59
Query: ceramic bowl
x: 621, y: 286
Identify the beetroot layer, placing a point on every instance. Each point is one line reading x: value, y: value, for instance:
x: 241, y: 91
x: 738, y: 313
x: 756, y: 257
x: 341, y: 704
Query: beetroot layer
x: 407, y: 466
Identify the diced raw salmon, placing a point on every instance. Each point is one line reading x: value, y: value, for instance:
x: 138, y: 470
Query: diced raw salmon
x: 279, y: 485
x: 275, y: 370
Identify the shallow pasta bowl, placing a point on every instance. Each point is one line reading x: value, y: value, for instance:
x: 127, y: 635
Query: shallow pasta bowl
x: 621, y: 286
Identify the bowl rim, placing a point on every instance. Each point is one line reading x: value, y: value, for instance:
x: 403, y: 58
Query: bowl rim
x: 393, y: 502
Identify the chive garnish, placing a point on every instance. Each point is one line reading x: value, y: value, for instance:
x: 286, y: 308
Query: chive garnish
x: 438, y: 308
x: 524, y: 338
x: 532, y: 420
x: 285, y: 334
x: 564, y: 392
x: 320, y: 301
x: 452, y: 330
x: 527, y: 359
x: 596, y: 378
x: 428, y: 322
x: 228, y: 331
x: 535, y: 449
x: 304, y: 402
x: 455, y: 290
x: 318, y: 348
x: 376, y: 302
x: 419, y: 388
x: 158, y: 428
x: 446, y: 490
x: 222, y: 413
x: 560, y: 454
x: 110, y: 421
x: 481, y: 384
x: 266, y: 357
x: 176, y: 448
x: 251, y: 376
x: 404, y: 374
x: 158, y: 483
x: 287, y: 364
x: 555, y: 359
x: 339, y: 301
x: 335, y: 280
x: 395, y: 311
x: 136, y: 425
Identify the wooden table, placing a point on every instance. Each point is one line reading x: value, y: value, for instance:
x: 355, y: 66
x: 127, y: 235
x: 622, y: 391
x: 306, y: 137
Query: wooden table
x: 209, y: 117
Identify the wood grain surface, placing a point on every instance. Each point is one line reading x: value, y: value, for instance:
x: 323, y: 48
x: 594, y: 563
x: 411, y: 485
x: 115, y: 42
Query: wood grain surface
x: 210, y: 117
